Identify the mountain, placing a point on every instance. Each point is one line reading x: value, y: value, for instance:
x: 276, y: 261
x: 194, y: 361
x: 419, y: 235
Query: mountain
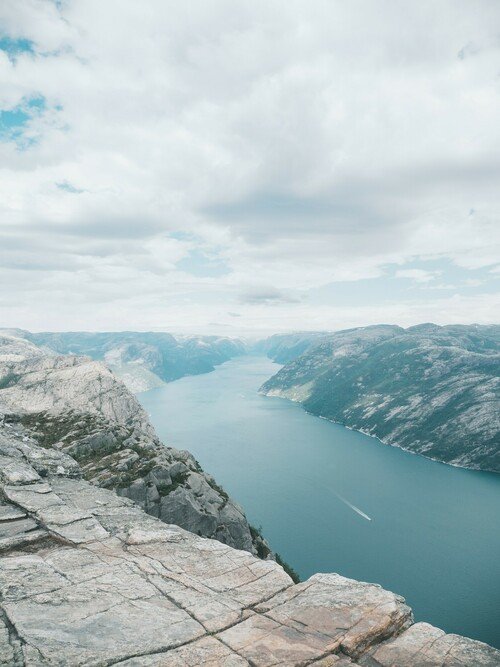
x: 87, y: 578
x: 142, y: 360
x: 283, y: 348
x: 92, y: 576
x: 78, y: 407
x: 429, y: 389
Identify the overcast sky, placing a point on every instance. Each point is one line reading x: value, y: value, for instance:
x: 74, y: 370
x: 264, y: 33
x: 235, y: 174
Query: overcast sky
x: 228, y: 166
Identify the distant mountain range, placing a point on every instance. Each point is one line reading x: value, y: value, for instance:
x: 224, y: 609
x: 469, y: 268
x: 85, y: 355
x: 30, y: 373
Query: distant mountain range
x: 90, y: 577
x: 431, y: 390
x: 141, y: 360
x: 283, y: 348
x: 428, y: 389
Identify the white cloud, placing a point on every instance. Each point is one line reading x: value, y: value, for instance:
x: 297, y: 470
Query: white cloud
x: 418, y: 275
x: 300, y: 144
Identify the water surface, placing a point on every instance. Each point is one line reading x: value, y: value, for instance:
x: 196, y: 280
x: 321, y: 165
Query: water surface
x: 334, y: 500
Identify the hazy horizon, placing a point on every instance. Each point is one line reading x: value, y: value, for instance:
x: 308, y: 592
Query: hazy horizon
x: 244, y: 335
x: 248, y: 168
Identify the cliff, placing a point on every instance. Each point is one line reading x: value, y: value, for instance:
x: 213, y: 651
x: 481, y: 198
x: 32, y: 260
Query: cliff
x: 78, y: 407
x: 87, y: 578
x: 428, y: 389
x: 143, y: 360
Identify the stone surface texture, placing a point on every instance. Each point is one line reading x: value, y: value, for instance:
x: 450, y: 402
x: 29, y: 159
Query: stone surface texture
x: 96, y: 568
x: 88, y: 578
x: 77, y: 406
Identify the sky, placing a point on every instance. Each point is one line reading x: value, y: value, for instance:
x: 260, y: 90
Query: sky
x: 238, y: 167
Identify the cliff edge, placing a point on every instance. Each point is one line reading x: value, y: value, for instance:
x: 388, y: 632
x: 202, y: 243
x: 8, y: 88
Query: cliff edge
x: 87, y: 578
x: 77, y: 406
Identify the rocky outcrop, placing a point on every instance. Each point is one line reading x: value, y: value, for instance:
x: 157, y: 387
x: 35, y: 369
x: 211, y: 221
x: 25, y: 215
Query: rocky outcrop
x: 143, y: 360
x: 78, y: 407
x: 431, y: 390
x: 87, y: 578
x: 58, y: 384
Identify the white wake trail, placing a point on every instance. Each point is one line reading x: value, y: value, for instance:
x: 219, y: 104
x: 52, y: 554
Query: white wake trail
x: 341, y: 498
x: 353, y: 507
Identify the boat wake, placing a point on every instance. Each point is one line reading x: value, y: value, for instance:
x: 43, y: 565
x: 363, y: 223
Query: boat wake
x: 341, y: 498
x: 353, y: 507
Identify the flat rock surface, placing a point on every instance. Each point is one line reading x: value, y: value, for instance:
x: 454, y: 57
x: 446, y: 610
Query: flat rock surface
x: 424, y: 645
x: 105, y: 583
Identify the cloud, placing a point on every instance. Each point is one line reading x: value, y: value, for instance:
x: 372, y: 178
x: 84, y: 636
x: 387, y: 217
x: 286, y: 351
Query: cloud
x: 418, y: 275
x: 236, y: 155
x: 68, y: 187
x: 266, y: 295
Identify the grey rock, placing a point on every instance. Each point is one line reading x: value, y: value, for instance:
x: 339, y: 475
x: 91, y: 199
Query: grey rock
x: 59, y: 384
x: 10, y: 528
x: 426, y: 646
x: 10, y: 647
x: 206, y: 651
x: 9, y: 512
x: 17, y: 472
x: 23, y: 539
x: 75, y: 406
x: 352, y: 614
x: 33, y: 498
x: 113, y: 585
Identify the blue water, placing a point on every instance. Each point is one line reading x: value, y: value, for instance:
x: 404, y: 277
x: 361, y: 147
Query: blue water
x: 433, y: 534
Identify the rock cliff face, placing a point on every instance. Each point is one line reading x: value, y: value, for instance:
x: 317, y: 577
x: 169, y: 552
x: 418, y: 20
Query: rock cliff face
x: 429, y: 389
x: 77, y: 406
x: 142, y: 360
x: 88, y: 579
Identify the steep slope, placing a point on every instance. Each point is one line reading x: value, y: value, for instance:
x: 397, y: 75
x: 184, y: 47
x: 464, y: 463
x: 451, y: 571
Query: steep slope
x: 86, y: 578
x: 432, y: 390
x: 283, y: 348
x: 142, y: 360
x: 77, y: 406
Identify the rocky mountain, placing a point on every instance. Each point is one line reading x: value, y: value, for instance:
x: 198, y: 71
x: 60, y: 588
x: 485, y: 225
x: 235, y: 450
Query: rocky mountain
x: 141, y: 360
x: 428, y: 389
x: 96, y: 568
x: 283, y: 348
x: 88, y: 579
x: 77, y: 406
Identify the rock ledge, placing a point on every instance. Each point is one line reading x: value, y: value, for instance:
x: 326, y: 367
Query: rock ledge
x: 88, y: 578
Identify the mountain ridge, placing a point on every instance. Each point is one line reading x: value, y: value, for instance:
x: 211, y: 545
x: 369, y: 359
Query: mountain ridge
x: 143, y: 360
x: 89, y: 576
x: 428, y: 389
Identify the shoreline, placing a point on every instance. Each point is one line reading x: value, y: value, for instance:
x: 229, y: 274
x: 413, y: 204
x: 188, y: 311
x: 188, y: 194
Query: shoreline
x: 383, y: 442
